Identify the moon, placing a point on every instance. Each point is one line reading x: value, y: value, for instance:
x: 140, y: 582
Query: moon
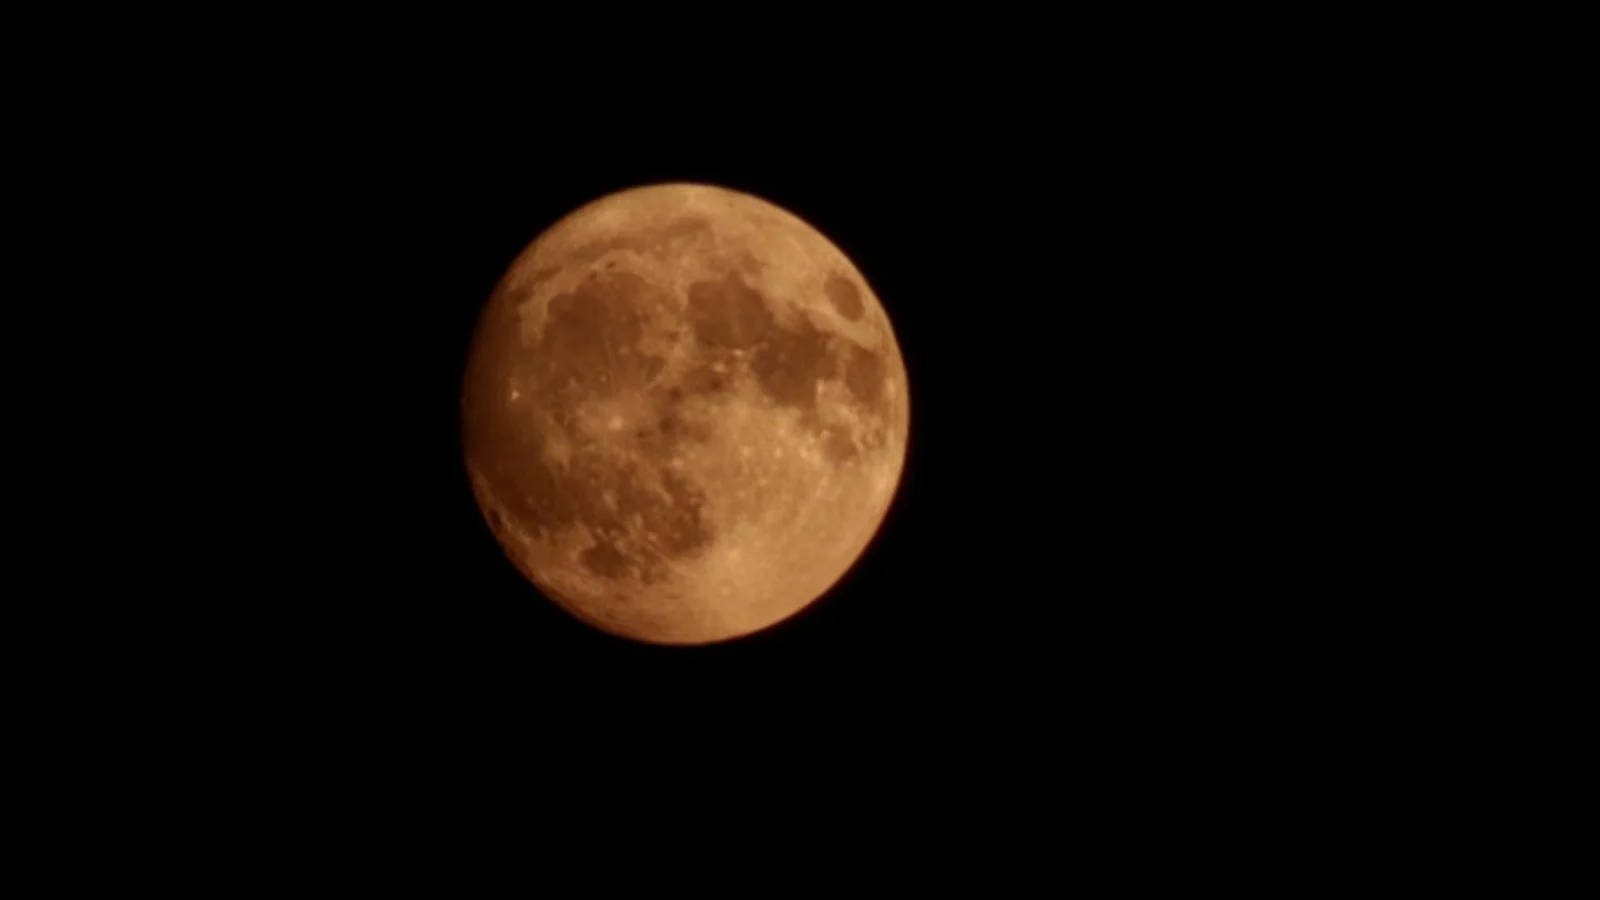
x: 684, y: 413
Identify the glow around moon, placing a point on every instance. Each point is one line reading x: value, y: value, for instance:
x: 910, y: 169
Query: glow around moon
x: 684, y: 413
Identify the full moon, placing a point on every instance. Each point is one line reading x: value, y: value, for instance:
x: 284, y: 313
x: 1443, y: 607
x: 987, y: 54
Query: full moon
x: 684, y: 414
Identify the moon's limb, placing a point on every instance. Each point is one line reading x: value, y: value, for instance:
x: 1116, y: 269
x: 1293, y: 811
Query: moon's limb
x: 685, y: 413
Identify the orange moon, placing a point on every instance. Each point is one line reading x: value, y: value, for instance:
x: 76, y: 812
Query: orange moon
x: 684, y: 413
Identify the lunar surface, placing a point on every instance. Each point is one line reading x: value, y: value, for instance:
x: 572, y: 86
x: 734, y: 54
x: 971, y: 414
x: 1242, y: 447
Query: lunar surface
x: 685, y: 414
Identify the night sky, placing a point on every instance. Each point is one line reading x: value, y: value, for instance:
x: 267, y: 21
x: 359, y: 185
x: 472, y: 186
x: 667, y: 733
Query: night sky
x: 1066, y: 493
x: 1175, y: 544
x: 1103, y: 447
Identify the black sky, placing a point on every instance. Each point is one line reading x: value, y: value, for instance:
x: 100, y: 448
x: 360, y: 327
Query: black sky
x: 1063, y: 302
x: 1141, y: 565
x: 1091, y: 297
